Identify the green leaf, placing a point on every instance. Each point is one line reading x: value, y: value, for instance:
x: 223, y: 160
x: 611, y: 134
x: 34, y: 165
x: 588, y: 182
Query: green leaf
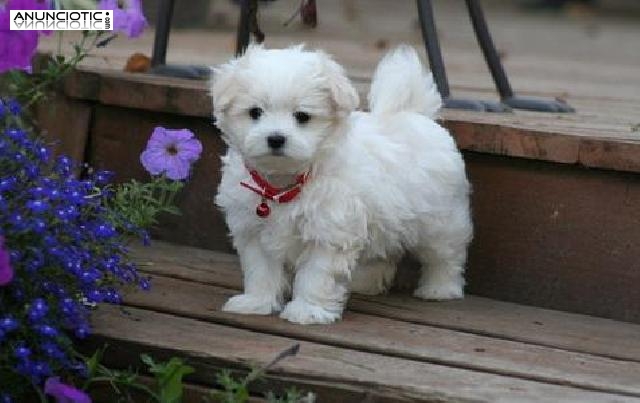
x: 168, y: 377
x: 291, y: 396
x: 233, y: 391
x: 172, y: 210
x: 146, y: 358
x: 92, y: 363
x: 171, y: 380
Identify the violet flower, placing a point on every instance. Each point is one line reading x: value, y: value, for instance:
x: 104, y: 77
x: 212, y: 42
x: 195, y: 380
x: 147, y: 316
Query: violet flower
x: 64, y: 393
x: 171, y: 152
x: 130, y: 19
x: 18, y: 47
x: 6, y: 271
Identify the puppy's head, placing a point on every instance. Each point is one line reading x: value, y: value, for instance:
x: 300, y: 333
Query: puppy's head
x: 279, y: 106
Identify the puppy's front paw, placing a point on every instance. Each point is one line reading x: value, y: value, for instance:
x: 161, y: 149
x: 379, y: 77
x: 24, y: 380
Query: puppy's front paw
x: 251, y: 305
x: 440, y: 292
x: 304, y: 313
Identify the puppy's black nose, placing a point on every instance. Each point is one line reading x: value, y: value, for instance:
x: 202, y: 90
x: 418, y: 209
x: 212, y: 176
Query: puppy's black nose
x: 276, y: 141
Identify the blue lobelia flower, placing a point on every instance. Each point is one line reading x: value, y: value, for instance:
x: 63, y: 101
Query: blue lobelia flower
x: 59, y: 250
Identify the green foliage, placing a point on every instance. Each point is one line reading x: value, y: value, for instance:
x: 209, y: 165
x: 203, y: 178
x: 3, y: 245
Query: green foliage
x: 169, y: 385
x: 168, y: 377
x: 140, y: 203
x: 292, y: 395
x: 233, y: 390
x: 31, y: 88
x: 122, y: 383
x: 237, y: 390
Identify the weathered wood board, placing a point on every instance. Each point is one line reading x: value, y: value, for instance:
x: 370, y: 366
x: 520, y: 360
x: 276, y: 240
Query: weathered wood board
x: 387, y: 348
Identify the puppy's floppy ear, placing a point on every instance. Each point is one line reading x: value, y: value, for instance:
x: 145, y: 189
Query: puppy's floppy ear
x: 223, y: 83
x: 344, y: 95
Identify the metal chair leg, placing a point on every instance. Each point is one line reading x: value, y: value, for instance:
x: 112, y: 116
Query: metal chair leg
x: 488, y: 49
x: 244, y: 27
x: 498, y: 73
x: 163, y: 27
x: 159, y: 57
x: 165, y: 13
x: 248, y: 25
x: 432, y: 45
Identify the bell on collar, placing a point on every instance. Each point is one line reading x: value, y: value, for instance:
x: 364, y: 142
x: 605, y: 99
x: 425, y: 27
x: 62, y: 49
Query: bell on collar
x: 263, y: 209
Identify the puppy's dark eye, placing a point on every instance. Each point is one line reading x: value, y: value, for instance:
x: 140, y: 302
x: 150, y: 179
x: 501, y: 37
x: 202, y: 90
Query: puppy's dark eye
x: 255, y: 113
x: 301, y: 117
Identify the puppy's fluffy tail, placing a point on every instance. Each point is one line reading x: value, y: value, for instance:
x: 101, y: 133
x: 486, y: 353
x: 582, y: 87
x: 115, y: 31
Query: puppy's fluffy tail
x: 401, y: 84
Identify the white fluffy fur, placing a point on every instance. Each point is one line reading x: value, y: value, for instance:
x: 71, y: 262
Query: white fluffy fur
x: 381, y: 182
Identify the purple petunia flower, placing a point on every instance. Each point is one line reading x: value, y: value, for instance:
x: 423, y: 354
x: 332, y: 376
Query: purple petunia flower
x: 129, y: 19
x: 6, y: 271
x: 171, y: 152
x: 18, y: 47
x: 64, y: 393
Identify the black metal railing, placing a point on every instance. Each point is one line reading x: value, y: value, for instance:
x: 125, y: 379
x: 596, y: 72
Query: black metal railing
x: 247, y: 25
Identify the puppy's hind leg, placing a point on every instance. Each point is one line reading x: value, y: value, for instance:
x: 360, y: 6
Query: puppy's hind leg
x: 265, y: 282
x: 373, y: 277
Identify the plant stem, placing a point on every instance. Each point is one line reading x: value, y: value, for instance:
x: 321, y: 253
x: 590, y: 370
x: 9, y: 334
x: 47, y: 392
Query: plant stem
x: 63, y: 68
x: 60, y: 36
x: 136, y: 386
x: 40, y: 393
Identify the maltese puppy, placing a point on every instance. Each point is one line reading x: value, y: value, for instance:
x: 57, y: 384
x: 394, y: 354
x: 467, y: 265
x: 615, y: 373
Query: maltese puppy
x: 322, y: 200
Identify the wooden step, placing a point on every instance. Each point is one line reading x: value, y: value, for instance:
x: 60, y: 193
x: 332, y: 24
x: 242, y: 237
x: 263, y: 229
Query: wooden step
x: 386, y: 349
x: 554, y: 227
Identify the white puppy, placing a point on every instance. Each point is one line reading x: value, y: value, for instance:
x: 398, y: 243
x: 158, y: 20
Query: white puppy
x: 355, y: 189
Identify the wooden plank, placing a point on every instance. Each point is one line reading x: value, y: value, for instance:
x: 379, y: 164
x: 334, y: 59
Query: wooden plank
x: 405, y: 340
x: 203, y: 342
x: 65, y: 122
x: 557, y: 237
x: 590, y: 146
x: 596, y: 136
x: 599, y: 76
x: 578, y: 333
x: 595, y: 55
x: 190, y: 98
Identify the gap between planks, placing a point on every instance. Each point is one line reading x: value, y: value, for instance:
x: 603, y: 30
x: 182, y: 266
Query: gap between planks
x: 124, y: 356
x: 191, y: 392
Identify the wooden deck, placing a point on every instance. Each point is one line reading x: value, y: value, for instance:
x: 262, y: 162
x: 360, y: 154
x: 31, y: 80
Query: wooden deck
x: 395, y: 348
x: 386, y: 349
x: 590, y: 60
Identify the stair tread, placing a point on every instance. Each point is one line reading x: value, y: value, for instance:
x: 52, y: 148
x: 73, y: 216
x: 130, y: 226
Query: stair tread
x: 575, y: 332
x: 597, y: 136
x: 389, y: 346
x: 209, y: 345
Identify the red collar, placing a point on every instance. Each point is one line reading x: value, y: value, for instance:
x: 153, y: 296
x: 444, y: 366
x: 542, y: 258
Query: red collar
x: 273, y: 193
